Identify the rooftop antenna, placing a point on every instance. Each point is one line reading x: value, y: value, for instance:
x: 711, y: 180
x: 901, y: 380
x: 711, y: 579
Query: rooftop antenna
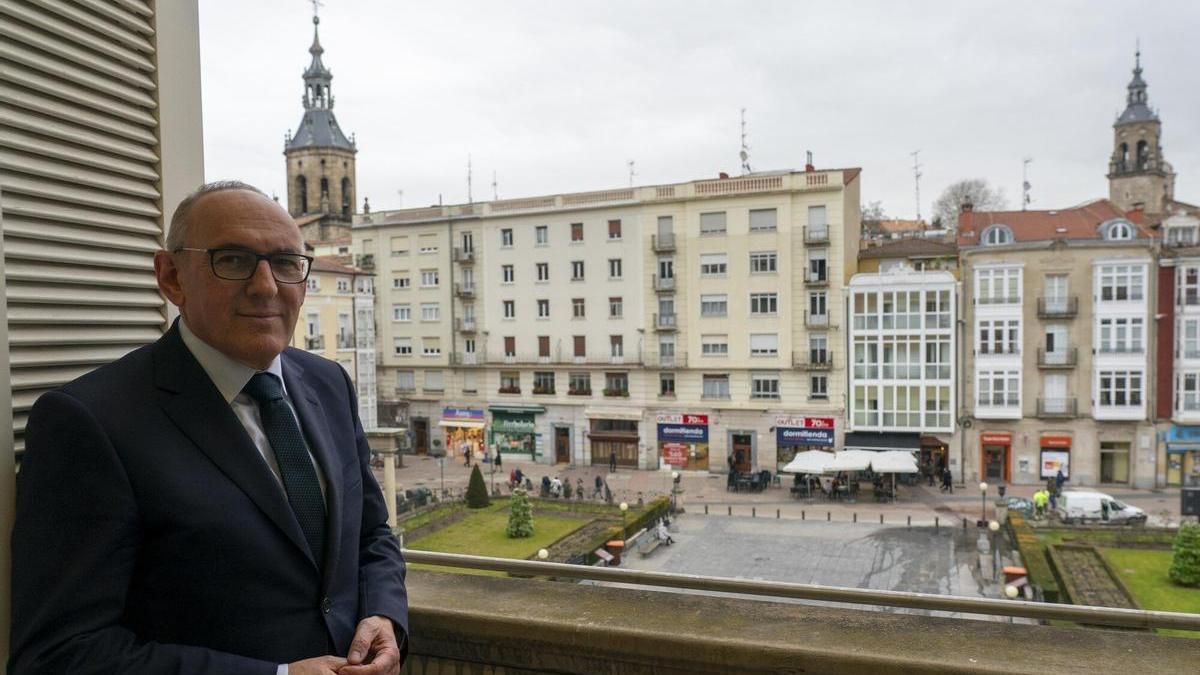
x: 917, y: 179
x: 470, y: 200
x: 632, y: 172
x: 400, y: 196
x: 745, y: 153
x: 495, y: 193
x: 1025, y: 184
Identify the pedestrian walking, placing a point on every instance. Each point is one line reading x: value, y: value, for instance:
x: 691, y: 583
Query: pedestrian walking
x: 612, y: 461
x: 947, y: 481
x: 578, y: 488
x: 499, y: 460
x: 599, y: 491
x: 1059, y: 479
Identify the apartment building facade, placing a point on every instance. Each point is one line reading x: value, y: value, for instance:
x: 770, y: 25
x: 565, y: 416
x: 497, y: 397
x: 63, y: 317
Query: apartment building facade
x: 1060, y: 309
x: 666, y: 326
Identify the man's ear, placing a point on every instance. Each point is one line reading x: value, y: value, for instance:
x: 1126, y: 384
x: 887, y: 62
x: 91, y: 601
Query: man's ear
x: 166, y: 272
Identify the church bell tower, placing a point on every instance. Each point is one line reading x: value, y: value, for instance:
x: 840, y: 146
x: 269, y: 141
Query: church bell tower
x: 1138, y: 175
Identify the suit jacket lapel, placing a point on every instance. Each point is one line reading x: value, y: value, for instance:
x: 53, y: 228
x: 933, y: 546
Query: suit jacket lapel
x: 320, y: 442
x: 198, y: 409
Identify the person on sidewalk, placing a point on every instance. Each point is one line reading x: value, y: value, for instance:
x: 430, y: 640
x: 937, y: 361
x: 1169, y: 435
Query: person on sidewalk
x: 1059, y: 479
x: 499, y: 460
x: 1041, y: 499
x: 947, y: 481
x: 599, y: 491
x: 664, y: 535
x: 612, y: 461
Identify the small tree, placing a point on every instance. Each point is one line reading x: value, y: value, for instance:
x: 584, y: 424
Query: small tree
x: 974, y: 191
x: 1185, y: 565
x: 520, y: 515
x: 477, y: 495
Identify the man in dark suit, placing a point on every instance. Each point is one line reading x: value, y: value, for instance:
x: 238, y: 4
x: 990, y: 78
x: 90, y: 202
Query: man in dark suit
x: 206, y: 504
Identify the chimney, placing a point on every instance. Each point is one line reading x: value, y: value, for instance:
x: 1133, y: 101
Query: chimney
x: 967, y: 207
x: 722, y: 176
x: 808, y: 162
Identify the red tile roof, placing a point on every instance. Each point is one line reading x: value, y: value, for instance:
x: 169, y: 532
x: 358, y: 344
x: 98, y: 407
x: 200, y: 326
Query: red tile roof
x: 910, y: 247
x: 329, y: 263
x: 1079, y: 222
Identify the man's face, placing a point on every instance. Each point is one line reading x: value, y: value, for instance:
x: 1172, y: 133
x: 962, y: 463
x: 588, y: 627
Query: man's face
x: 252, y: 320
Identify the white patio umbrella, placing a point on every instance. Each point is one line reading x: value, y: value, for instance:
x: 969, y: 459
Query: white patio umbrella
x: 809, y: 461
x: 850, y: 460
x: 894, y: 461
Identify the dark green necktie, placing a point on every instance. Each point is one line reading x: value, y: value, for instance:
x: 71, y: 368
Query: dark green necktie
x: 295, y: 464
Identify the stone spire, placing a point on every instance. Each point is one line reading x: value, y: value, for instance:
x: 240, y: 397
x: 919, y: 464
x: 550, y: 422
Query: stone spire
x: 318, y: 127
x: 1137, y: 108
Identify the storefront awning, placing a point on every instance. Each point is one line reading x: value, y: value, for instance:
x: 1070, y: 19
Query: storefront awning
x: 517, y: 409
x: 865, y: 440
x: 612, y: 414
x: 461, y: 424
x: 1183, y: 438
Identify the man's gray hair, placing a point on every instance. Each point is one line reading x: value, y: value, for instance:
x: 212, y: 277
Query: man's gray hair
x: 179, y: 221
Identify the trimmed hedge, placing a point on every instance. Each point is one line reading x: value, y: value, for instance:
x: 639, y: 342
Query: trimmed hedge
x: 1185, y: 564
x: 1033, y: 555
x: 477, y: 494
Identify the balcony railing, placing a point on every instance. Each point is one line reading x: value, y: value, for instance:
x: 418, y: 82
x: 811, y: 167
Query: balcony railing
x: 366, y: 262
x: 314, y: 342
x: 406, y: 390
x: 986, y: 349
x: 1057, y: 407
x: 617, y: 392
x: 345, y: 342
x: 665, y: 321
x: 1058, y: 359
x: 816, y: 278
x: 543, y: 391
x: 677, y: 360
x: 465, y: 359
x: 664, y: 283
x: 465, y: 256
x: 465, y: 325
x: 816, y: 235
x: 562, y: 359
x: 998, y: 300
x: 813, y: 360
x: 509, y: 390
x: 1057, y: 308
x: 816, y: 320
x: 464, y: 290
x: 662, y: 243
x: 1122, y: 349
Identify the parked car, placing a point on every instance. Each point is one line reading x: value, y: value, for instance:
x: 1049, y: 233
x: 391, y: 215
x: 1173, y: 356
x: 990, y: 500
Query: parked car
x: 1079, y: 506
x: 1020, y: 505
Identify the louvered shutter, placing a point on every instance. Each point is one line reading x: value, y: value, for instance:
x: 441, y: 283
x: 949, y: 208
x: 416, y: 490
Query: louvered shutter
x: 80, y: 205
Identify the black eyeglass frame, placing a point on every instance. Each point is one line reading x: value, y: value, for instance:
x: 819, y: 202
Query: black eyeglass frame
x: 269, y: 257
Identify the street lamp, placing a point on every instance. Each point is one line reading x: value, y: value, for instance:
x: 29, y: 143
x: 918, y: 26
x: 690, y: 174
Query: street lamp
x: 674, y: 492
x: 543, y: 554
x: 624, y: 530
x: 983, y: 499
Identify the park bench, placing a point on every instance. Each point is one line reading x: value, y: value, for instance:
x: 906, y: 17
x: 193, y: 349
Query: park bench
x: 604, y: 556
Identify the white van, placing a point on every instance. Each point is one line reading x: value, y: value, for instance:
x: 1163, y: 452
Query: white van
x: 1077, y: 506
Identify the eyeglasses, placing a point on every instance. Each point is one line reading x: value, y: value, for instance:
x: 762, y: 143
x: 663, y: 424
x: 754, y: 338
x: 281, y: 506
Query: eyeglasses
x: 236, y: 264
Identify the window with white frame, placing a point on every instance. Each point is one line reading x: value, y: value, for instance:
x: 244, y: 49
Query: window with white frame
x: 866, y: 357
x: 1181, y: 236
x: 901, y: 310
x: 510, y: 309
x: 901, y: 406
x: 866, y: 405
x: 543, y: 271
x: 998, y: 285
x: 818, y: 387
x: 818, y: 349
x: 614, y: 230
x: 435, y: 380
x: 506, y: 238
x: 543, y: 306
x: 314, y: 325
x: 999, y: 336
x: 616, y: 308
x: 712, y: 223
x: 764, y: 385
x: 818, y: 226
x: 1121, y: 336
x: 314, y: 283
x: 716, y: 386
x: 616, y: 345
x: 1120, y: 388
x: 866, y: 311
x: 507, y: 274
x: 402, y: 312
x: 578, y: 308
x: 343, y: 284
x: 817, y: 306
x: 1122, y: 282
x: 1189, y: 285
x: 666, y: 268
x: 937, y: 358
x: 1189, y: 338
x: 937, y: 310
x: 579, y: 383
x: 714, y: 305
x: 406, y: 380
x: 763, y: 262
x: 403, y: 346
x: 901, y: 357
x: 430, y: 311
x: 996, y: 235
x: 399, y: 246
x: 818, y: 269
x: 614, y: 268
x: 714, y: 264
x: 763, y: 219
x: 937, y: 407
x: 1118, y: 230
x: 714, y: 345
x: 1187, y: 392
x: 764, y: 344
x: 577, y: 270
x: 541, y: 235
x: 666, y: 384
x: 764, y: 303
x: 999, y: 388
x: 429, y: 278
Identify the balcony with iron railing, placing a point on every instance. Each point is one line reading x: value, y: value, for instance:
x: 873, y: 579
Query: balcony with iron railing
x: 999, y: 299
x: 817, y: 320
x: 464, y: 325
x: 314, y: 342
x: 813, y: 359
x: 665, y: 322
x: 676, y: 360
x: 464, y: 290
x: 1065, y: 358
x: 561, y: 358
x: 1057, y: 408
x: 816, y: 279
x: 662, y: 243
x: 816, y: 235
x: 464, y: 256
x: 1057, y: 308
x: 465, y: 359
x: 345, y: 341
x: 1113, y: 348
x: 664, y: 284
x: 999, y: 405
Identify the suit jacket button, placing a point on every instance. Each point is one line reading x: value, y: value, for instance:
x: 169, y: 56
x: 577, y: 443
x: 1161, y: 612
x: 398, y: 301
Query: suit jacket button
x: 326, y: 605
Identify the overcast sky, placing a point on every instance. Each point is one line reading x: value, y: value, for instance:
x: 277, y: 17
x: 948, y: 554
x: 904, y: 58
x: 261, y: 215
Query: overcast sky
x: 558, y: 96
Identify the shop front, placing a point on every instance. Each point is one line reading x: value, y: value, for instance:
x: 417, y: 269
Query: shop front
x: 613, y: 435
x: 1055, y: 455
x: 1183, y: 456
x: 683, y: 440
x: 514, y: 431
x: 934, y: 455
x: 463, y: 428
x: 996, y: 455
x: 796, y: 434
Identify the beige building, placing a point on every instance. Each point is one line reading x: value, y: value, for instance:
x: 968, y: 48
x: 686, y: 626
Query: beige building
x: 1060, y: 309
x: 666, y: 325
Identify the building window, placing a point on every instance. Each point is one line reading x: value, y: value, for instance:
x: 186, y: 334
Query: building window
x: 579, y: 384
x: 866, y: 311
x: 429, y: 278
x: 434, y: 380
x: 544, y: 346
x: 576, y: 270
x: 616, y: 345
x: 713, y: 264
x: 999, y: 336
x: 1122, y: 282
x: 1121, y: 336
x: 866, y: 406
x: 510, y: 382
x: 314, y: 283
x: 716, y: 386
x: 764, y: 386
x: 818, y: 270
x: 614, y: 229
x: 712, y: 223
x: 1114, y: 462
x: 937, y: 358
x: 1188, y: 392
x: 818, y: 349
x: 1189, y: 285
x: 714, y: 305
x: 541, y: 235
x: 543, y: 309
x: 616, y: 384
x: 431, y: 347
x: 937, y: 310
x: 614, y: 268
x: 714, y: 345
x: 666, y: 268
x: 763, y: 262
x: 510, y: 346
x: 999, y: 388
x: 763, y: 344
x: 543, y: 271
x: 510, y: 309
x: 507, y: 274
x: 666, y: 384
x: 406, y: 380
x: 817, y: 306
x: 430, y: 311
x: 937, y: 407
x: 901, y: 310
x: 1117, y: 230
x: 576, y: 231
x: 399, y: 246
x: 580, y: 346
x: 818, y: 387
x: 762, y: 220
x: 1189, y: 338
x: 995, y: 286
x: 543, y: 383
x: 506, y: 238
x: 1181, y: 236
x: 343, y: 285
x: 996, y: 235
x: 403, y: 346
x: 615, y: 308
x: 818, y: 226
x: 1120, y: 388
x: 401, y: 312
x: 764, y: 303
x: 578, y: 310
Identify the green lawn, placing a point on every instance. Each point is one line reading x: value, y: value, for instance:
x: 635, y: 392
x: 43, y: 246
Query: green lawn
x: 1145, y: 573
x: 483, y: 533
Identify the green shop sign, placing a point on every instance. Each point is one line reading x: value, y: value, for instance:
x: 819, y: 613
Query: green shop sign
x: 512, y: 424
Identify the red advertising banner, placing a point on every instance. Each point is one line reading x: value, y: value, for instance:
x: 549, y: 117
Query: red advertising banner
x: 1056, y: 441
x: 996, y: 437
x: 675, y: 454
